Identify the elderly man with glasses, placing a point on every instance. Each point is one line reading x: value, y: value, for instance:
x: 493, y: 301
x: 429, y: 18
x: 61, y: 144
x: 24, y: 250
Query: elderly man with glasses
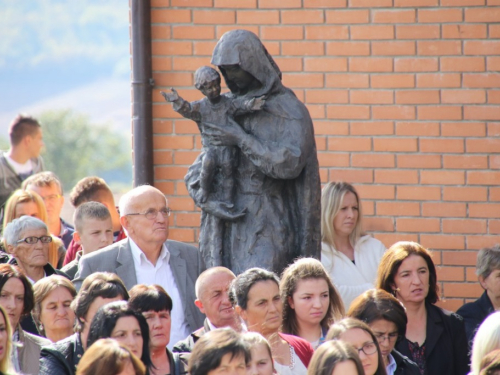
x: 27, y: 240
x: 146, y: 256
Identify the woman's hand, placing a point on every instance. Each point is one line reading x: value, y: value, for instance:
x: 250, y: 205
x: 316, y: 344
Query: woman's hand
x: 229, y: 134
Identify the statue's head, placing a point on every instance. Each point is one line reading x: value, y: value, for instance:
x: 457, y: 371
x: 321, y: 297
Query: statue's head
x: 207, y: 80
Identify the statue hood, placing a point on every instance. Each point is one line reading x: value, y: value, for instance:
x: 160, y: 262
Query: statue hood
x: 243, y: 48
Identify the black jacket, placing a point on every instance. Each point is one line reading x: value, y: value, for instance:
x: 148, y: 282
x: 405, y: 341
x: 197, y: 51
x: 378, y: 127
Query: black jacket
x: 474, y: 313
x: 404, y: 366
x: 186, y: 345
x: 446, y: 349
x: 62, y: 357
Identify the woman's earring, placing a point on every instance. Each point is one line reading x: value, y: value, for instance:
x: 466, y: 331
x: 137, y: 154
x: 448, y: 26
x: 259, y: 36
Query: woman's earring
x: 40, y: 327
x: 394, y: 291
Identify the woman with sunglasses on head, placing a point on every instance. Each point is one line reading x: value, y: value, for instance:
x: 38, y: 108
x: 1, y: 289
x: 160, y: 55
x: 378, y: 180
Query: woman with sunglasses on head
x: 435, y: 339
x: 360, y: 336
x: 310, y: 301
x: 386, y: 317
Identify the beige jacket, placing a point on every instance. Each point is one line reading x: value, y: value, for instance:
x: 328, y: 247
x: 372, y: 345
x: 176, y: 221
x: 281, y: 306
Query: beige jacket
x: 29, y: 352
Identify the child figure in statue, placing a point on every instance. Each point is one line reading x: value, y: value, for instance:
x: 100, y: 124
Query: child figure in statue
x: 214, y: 108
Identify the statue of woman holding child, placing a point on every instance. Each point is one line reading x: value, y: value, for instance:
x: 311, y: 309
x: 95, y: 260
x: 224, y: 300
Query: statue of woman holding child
x: 274, y: 215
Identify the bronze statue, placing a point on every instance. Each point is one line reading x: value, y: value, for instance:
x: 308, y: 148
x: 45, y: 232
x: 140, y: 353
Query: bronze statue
x: 273, y: 215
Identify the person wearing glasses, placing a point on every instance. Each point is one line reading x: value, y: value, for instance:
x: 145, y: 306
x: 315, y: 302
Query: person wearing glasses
x: 386, y: 317
x: 27, y: 239
x: 361, y: 337
x: 48, y: 186
x: 146, y: 256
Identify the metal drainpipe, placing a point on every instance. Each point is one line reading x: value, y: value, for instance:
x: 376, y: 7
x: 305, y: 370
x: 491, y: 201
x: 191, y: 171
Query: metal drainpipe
x: 142, y: 87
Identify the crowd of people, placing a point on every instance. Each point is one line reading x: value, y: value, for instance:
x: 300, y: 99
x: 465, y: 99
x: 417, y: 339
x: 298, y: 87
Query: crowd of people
x: 114, y: 295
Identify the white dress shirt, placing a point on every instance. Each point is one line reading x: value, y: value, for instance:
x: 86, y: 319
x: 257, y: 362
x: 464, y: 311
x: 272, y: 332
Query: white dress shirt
x: 161, y: 274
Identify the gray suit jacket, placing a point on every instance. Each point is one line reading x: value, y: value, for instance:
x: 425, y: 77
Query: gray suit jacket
x: 117, y: 258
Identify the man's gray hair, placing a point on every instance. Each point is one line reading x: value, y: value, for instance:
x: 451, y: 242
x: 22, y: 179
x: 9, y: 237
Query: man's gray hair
x: 488, y: 260
x: 12, y: 232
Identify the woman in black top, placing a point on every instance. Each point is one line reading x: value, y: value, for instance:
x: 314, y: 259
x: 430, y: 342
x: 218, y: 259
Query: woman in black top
x: 435, y: 338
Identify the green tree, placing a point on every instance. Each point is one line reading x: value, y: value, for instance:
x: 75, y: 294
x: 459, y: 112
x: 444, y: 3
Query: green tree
x: 76, y: 148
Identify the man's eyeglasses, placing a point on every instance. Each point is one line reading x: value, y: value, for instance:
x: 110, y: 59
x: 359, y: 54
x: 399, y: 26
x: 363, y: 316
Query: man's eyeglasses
x: 369, y: 348
x: 153, y: 213
x: 51, y: 198
x: 392, y: 337
x: 31, y: 240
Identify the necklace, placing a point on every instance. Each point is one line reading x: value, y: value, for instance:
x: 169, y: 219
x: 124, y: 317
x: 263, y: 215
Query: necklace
x: 292, y: 357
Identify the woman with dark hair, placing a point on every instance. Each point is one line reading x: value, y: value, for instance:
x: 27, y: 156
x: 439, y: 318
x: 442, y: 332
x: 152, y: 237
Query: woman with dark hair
x: 386, y: 317
x: 350, y: 257
x: 53, y: 315
x: 335, y: 358
x: 107, y: 356
x: 16, y: 297
x: 360, y: 336
x: 154, y: 303
x: 118, y: 321
x: 220, y: 351
x: 310, y: 301
x: 258, y: 302
x: 435, y: 338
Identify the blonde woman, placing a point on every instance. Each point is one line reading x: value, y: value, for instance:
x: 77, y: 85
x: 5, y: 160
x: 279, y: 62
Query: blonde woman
x: 350, y: 258
x: 487, y: 339
x: 5, y: 343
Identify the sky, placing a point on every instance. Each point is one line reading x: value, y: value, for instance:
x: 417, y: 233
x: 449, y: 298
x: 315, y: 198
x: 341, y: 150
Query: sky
x: 65, y: 54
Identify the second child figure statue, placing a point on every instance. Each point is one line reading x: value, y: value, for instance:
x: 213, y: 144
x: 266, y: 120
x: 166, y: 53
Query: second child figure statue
x: 217, y: 109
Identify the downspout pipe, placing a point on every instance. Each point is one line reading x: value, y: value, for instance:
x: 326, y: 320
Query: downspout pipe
x: 142, y: 87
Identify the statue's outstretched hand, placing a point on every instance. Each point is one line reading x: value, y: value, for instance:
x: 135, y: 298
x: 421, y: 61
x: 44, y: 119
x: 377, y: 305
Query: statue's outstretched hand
x: 170, y: 96
x: 256, y: 104
x: 224, y: 135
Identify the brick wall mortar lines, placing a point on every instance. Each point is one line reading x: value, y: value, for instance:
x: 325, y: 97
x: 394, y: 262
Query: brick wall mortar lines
x: 418, y: 87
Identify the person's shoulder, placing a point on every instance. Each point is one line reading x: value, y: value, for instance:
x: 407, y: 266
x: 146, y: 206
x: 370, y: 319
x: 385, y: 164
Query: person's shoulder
x: 368, y: 243
x: 469, y: 308
x: 296, y: 341
x: 172, y: 244
x: 106, y: 252
x: 40, y: 341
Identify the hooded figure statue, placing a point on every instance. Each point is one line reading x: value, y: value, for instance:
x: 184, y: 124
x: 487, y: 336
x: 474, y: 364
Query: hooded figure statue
x: 275, y: 216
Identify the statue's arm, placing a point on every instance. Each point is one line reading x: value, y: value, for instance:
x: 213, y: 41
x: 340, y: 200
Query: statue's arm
x: 241, y: 106
x: 181, y: 106
x: 285, y: 158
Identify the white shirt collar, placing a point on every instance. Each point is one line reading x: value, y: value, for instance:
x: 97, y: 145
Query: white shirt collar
x: 139, y: 256
x: 391, y: 366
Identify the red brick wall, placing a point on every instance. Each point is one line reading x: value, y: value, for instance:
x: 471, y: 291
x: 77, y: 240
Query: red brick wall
x: 404, y: 96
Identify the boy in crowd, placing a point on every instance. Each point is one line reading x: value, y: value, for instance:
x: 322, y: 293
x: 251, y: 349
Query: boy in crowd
x: 94, y: 231
x: 94, y: 189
